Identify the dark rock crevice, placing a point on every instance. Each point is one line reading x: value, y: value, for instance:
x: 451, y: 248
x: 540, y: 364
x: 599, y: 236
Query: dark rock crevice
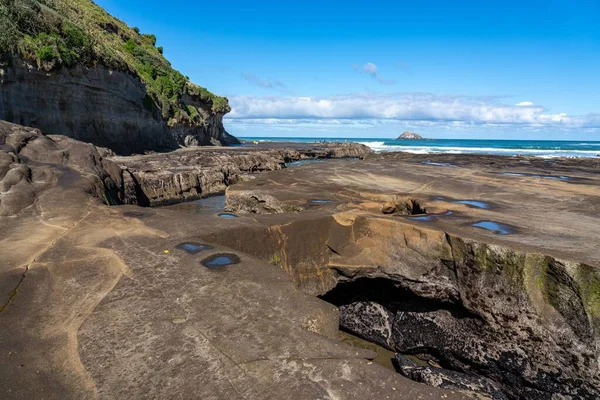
x: 384, y: 312
x: 14, y: 292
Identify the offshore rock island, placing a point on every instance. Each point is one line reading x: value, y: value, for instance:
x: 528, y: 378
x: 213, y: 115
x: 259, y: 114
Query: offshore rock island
x: 267, y: 270
x: 410, y: 136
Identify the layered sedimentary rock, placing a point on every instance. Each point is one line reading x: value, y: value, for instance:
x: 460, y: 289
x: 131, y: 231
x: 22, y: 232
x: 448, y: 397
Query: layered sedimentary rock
x: 102, y: 106
x: 160, y: 179
x: 70, y: 68
x: 101, y: 300
x: 526, y: 321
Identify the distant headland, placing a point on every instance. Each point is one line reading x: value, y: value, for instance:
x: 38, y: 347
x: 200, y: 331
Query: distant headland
x: 410, y: 136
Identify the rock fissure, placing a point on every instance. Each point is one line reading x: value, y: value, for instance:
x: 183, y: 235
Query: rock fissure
x: 466, y: 304
x: 14, y: 292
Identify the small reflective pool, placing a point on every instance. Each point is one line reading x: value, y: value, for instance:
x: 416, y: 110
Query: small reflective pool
x: 220, y: 260
x: 303, y: 162
x: 227, y: 215
x: 438, y: 164
x: 422, y: 218
x: 320, y: 201
x: 496, y: 227
x: 192, y: 247
x: 553, y: 177
x: 473, y: 203
x: 204, y: 206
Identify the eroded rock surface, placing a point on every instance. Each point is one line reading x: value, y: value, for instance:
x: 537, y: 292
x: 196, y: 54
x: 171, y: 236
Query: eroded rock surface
x: 517, y: 309
x: 102, y: 301
x: 31, y: 162
x: 160, y: 179
x: 113, y: 302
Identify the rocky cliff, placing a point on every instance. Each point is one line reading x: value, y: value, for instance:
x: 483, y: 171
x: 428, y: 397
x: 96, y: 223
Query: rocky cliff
x: 68, y: 67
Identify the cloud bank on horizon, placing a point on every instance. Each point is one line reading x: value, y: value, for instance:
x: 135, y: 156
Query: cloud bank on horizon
x: 418, y: 109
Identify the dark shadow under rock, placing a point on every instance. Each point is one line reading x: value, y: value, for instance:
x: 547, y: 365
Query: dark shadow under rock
x: 448, y: 379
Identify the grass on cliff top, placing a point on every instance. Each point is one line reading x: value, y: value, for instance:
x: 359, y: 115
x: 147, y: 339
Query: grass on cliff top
x: 55, y: 33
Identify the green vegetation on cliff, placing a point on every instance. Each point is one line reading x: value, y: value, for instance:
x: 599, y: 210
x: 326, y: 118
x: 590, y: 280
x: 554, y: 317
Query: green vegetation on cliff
x: 57, y: 33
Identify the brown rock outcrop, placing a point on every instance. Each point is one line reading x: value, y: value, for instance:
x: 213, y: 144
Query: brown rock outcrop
x: 189, y: 174
x: 30, y: 162
x: 116, y: 302
x: 517, y: 308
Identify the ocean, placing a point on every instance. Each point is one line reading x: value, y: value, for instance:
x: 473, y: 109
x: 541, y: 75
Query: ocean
x: 537, y: 148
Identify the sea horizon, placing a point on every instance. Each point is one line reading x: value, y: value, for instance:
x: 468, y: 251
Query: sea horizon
x: 535, y: 148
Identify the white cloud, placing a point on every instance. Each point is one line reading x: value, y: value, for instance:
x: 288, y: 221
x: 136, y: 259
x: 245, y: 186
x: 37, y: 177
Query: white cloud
x: 413, y: 107
x: 525, y: 104
x: 371, y: 69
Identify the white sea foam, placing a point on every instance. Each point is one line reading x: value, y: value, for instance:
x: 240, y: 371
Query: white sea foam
x: 545, y: 153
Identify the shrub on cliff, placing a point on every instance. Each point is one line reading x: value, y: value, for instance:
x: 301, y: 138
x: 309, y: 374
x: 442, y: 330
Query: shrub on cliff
x: 56, y: 33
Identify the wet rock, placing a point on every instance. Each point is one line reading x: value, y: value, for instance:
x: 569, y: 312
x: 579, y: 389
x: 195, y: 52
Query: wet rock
x: 444, y: 378
x: 369, y: 320
x: 255, y: 202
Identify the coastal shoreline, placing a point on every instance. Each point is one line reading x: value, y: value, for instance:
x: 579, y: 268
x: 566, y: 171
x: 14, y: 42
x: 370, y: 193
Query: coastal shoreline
x: 484, y: 238
x: 539, y: 148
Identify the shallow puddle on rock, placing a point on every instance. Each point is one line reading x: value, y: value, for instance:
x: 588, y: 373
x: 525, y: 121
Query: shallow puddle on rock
x: 320, y: 201
x: 192, y: 247
x: 438, y: 164
x: 204, y: 206
x: 553, y: 177
x: 422, y: 218
x: 473, y: 203
x: 227, y: 215
x: 496, y: 227
x: 220, y: 260
x: 384, y: 356
x: 303, y: 162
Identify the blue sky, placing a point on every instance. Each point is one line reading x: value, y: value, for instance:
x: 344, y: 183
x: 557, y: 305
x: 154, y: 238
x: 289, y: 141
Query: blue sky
x: 374, y: 69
